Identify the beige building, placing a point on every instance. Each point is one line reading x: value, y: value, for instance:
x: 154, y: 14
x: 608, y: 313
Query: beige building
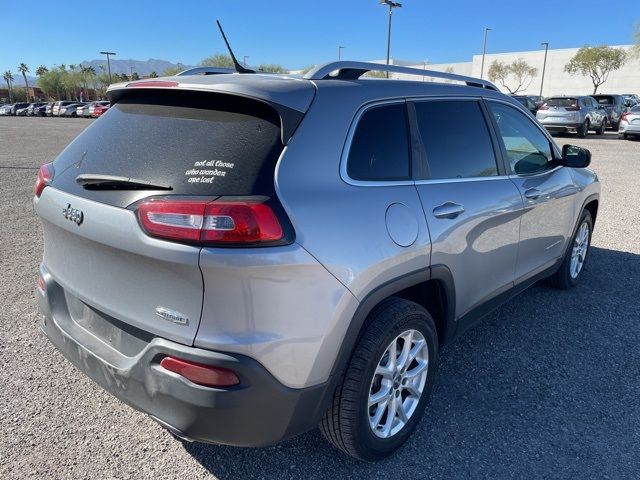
x: 556, y: 80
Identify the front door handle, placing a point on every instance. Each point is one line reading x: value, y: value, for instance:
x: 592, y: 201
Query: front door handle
x: 532, y: 194
x: 448, y: 210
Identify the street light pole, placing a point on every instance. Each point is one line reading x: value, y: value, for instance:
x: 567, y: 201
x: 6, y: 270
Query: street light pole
x: 108, y: 62
x: 244, y: 60
x: 484, y: 50
x: 544, y: 66
x: 340, y: 47
x: 391, y: 6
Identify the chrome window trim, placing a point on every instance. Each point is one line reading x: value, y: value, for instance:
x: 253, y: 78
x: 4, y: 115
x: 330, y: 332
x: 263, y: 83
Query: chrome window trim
x: 394, y: 183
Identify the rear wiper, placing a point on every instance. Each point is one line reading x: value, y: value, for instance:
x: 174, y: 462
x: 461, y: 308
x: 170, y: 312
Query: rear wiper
x: 97, y: 181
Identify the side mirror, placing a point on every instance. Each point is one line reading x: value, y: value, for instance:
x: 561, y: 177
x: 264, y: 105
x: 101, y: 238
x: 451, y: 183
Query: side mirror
x: 575, y: 157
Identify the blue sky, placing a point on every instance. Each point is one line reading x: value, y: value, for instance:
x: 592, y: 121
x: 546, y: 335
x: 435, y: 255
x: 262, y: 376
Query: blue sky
x: 300, y: 33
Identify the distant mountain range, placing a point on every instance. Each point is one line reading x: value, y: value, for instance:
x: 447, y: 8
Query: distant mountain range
x: 143, y: 67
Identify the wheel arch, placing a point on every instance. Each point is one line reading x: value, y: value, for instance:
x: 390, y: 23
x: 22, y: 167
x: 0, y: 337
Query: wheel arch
x: 432, y: 287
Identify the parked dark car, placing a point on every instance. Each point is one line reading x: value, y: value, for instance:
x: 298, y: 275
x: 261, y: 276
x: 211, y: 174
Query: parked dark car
x: 33, y: 107
x: 17, y: 106
x: 40, y: 110
x: 614, y: 105
x: 527, y: 102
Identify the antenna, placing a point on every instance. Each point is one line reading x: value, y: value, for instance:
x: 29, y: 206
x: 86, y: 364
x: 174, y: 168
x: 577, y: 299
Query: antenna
x: 239, y: 68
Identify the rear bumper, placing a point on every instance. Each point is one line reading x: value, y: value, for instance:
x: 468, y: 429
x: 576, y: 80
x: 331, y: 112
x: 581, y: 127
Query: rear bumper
x: 126, y: 363
x: 629, y: 128
x: 562, y: 127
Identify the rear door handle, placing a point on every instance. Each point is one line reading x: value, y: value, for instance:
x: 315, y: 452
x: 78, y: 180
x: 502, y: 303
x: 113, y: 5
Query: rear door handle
x: 532, y: 194
x: 448, y: 210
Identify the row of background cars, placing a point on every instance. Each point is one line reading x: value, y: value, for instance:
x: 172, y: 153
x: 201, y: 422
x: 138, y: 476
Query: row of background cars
x: 56, y: 109
x: 580, y: 114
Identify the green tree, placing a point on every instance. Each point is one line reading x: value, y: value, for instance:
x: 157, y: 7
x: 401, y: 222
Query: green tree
x: 515, y: 76
x: 272, y: 68
x: 306, y: 69
x: 8, y: 77
x: 217, y: 60
x: 23, y: 69
x: 153, y: 74
x: 171, y: 71
x: 41, y: 70
x: 596, y: 63
x: 375, y: 74
x: 20, y: 94
x: 135, y: 76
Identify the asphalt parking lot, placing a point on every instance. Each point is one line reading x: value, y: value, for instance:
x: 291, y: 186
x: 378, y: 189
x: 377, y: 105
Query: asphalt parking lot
x: 546, y: 387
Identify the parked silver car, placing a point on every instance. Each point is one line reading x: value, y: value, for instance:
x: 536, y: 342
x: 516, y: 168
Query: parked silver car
x: 568, y: 114
x: 247, y: 256
x: 614, y: 105
x: 630, y: 123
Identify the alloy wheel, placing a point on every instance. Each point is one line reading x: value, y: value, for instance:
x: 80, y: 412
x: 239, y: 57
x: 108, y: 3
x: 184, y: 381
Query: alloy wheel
x: 398, y: 383
x: 579, y: 252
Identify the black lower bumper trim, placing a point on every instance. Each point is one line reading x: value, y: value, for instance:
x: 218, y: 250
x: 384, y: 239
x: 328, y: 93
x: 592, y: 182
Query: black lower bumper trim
x: 260, y: 411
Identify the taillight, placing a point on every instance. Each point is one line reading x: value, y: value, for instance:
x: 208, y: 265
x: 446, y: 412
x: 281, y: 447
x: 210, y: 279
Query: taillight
x: 543, y: 107
x: 206, y: 375
x: 205, y: 222
x: 45, y: 175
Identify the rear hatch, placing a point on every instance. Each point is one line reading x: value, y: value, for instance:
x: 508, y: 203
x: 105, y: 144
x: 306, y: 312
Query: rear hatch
x: 178, y: 144
x: 560, y: 110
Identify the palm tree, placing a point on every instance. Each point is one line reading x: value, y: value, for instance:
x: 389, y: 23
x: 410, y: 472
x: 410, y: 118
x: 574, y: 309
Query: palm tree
x: 8, y: 77
x: 41, y: 70
x: 23, y: 69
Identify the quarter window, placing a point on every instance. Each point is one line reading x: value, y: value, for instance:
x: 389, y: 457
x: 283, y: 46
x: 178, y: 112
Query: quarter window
x: 528, y: 149
x: 456, y: 139
x: 380, y: 145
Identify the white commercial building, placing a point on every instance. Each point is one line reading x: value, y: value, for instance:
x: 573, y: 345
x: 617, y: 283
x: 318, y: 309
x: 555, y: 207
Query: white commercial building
x: 556, y: 80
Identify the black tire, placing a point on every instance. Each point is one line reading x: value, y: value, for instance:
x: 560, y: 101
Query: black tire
x: 346, y: 421
x: 602, y: 128
x: 622, y: 136
x: 583, y: 130
x: 563, y: 279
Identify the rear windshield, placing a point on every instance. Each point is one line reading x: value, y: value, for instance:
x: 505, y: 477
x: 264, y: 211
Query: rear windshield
x: 605, y: 100
x: 196, y: 143
x: 562, y: 102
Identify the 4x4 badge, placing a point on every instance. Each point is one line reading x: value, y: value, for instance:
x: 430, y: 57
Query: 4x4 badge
x: 73, y: 214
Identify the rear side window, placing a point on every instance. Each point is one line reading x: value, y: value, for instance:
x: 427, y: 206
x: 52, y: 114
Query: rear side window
x: 456, y: 139
x: 197, y: 143
x: 605, y: 100
x: 380, y: 146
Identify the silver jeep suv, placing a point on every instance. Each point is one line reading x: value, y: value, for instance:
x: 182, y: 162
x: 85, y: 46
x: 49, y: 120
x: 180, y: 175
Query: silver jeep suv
x: 247, y: 256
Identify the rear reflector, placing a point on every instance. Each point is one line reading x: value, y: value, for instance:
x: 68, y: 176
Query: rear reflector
x: 45, y: 175
x: 206, y: 375
x: 41, y: 284
x: 208, y: 222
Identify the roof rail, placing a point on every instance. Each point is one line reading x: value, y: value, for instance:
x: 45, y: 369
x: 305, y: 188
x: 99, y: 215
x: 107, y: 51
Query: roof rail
x: 205, y: 71
x: 348, y: 70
